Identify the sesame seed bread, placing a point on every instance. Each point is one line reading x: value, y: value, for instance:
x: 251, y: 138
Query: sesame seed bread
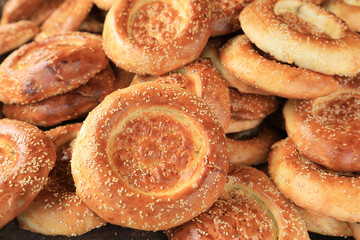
x: 120, y: 159
x: 311, y: 186
x: 326, y: 129
x: 350, y: 13
x: 39, y: 70
x: 239, y: 56
x: 13, y: 35
x: 71, y: 105
x: 27, y: 156
x: 201, y: 78
x: 282, y: 28
x: 57, y: 209
x: 67, y: 17
x: 250, y: 207
x: 253, y: 149
x: 211, y: 51
x: 179, y: 31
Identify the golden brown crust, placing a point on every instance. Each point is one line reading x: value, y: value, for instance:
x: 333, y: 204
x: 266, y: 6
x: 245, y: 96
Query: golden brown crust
x: 338, y: 54
x: 145, y: 160
x: 155, y: 37
x: 225, y: 16
x: 313, y: 187
x: 44, y: 10
x: 67, y: 106
x: 13, y: 35
x: 56, y: 65
x: 250, y: 208
x: 15, y: 10
x: 201, y: 78
x: 324, y: 225
x: 272, y: 76
x: 67, y: 17
x: 27, y: 156
x: 253, y: 150
x: 57, y: 209
x: 326, y: 129
x: 211, y: 51
x: 349, y: 13
x: 252, y: 106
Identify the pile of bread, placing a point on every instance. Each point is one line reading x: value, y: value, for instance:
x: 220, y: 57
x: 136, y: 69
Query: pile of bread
x: 204, y: 119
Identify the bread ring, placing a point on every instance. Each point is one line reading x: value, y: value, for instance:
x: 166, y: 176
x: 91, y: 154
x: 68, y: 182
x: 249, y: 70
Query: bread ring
x: 201, y: 78
x: 13, y: 35
x: 44, y: 10
x: 271, y: 76
x: 252, y: 106
x: 324, y: 225
x: 349, y: 13
x: 225, y: 16
x: 313, y: 187
x: 15, y: 10
x: 249, y: 110
x: 27, y: 156
x: 264, y: 23
x: 144, y: 159
x: 251, y: 150
x: 67, y: 17
x: 211, y: 51
x: 326, y: 130
x: 156, y: 37
x: 250, y: 208
x: 67, y: 106
x: 40, y: 70
x: 57, y: 209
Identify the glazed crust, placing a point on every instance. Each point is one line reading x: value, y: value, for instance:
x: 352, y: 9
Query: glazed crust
x: 135, y: 37
x: 336, y: 55
x: 67, y: 17
x: 56, y: 65
x: 57, y: 209
x: 44, y: 10
x: 310, y: 186
x: 326, y: 129
x: 201, y: 78
x: 272, y: 76
x: 324, y: 225
x: 27, y: 157
x: 225, y: 16
x: 13, y: 35
x: 250, y: 208
x: 253, y: 150
x: 211, y: 51
x: 252, y: 106
x: 349, y: 13
x: 67, y: 106
x: 16, y: 10
x: 151, y: 156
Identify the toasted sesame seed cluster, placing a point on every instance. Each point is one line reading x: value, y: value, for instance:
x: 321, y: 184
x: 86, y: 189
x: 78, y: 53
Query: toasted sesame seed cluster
x: 205, y: 119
